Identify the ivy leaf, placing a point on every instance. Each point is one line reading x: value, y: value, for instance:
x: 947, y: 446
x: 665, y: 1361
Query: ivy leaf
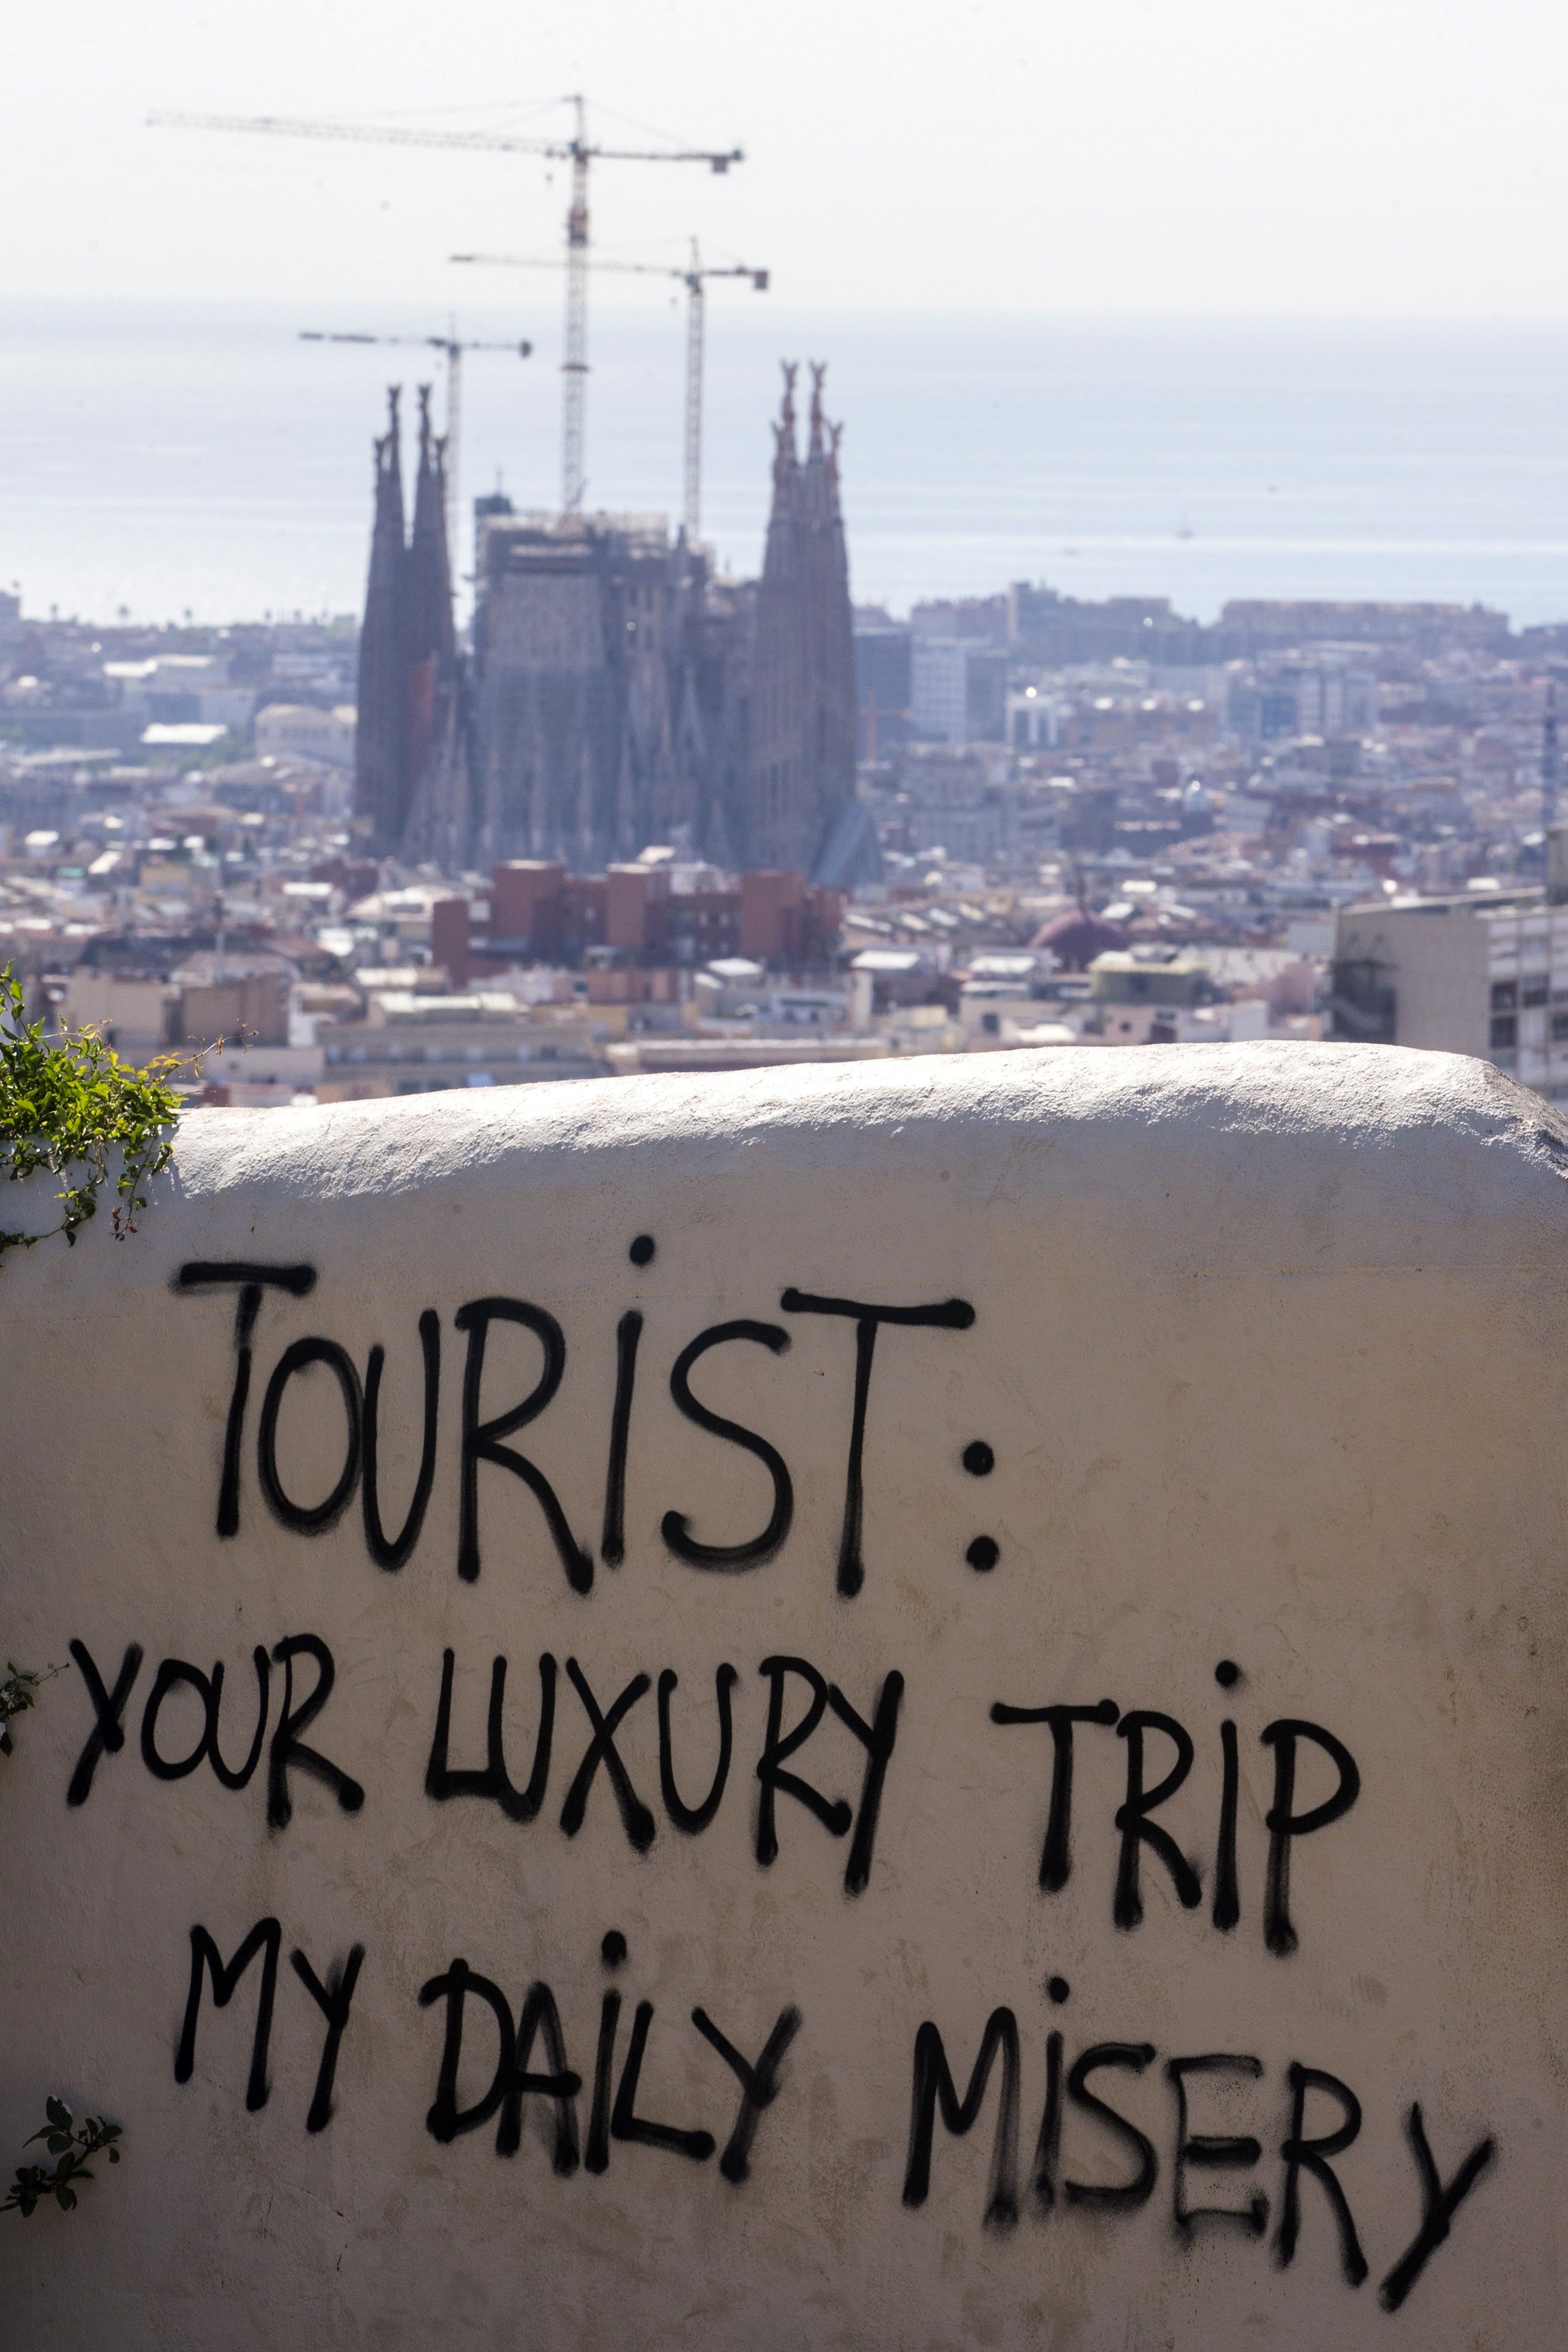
x: 71, y: 2150
x: 68, y: 1106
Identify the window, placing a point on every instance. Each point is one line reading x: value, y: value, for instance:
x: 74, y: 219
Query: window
x: 1363, y: 1004
x: 1505, y: 1028
x: 1560, y: 1028
x: 1533, y: 992
x: 1504, y: 996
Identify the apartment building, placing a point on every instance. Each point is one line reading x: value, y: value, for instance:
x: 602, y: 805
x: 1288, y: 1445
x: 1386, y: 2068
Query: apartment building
x: 1485, y: 973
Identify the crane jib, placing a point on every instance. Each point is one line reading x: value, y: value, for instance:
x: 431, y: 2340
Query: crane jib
x: 579, y: 151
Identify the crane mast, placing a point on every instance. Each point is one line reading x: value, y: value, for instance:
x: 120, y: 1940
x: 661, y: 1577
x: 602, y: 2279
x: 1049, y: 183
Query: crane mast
x: 575, y: 366
x: 696, y: 322
x: 578, y: 151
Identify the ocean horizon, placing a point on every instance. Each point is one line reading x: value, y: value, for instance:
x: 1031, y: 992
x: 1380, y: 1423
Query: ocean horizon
x: 166, y: 459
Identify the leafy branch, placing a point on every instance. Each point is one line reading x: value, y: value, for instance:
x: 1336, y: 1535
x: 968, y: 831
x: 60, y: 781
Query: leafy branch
x: 18, y: 1692
x: 72, y: 2147
x: 69, y: 1107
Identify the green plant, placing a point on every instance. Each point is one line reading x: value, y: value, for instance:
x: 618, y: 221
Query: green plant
x: 69, y: 1107
x: 18, y: 1692
x: 70, y: 2148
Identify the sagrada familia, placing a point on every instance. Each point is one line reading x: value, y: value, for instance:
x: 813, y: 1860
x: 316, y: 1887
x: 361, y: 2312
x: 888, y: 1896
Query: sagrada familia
x: 617, y: 692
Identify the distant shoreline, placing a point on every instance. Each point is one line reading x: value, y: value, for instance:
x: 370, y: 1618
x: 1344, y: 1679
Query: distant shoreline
x: 198, y: 457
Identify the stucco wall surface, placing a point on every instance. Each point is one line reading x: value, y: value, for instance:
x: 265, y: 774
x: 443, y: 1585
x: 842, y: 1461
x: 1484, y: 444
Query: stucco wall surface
x: 1230, y: 1418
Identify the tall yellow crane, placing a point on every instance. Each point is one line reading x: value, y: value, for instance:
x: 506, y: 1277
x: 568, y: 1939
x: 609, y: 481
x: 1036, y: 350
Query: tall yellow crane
x: 452, y: 351
x: 693, y: 277
x: 578, y: 151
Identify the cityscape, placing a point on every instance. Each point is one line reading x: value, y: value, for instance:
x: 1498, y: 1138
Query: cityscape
x: 640, y: 815
x: 784, y: 1091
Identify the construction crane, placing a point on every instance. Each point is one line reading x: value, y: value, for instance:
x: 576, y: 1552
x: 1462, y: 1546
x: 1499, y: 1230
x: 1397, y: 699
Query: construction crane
x: 452, y: 351
x: 694, y: 277
x: 578, y: 151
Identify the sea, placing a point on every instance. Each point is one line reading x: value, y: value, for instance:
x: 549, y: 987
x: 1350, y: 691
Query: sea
x: 201, y: 461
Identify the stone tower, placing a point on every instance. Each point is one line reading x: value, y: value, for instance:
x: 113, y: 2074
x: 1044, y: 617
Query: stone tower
x: 381, y: 738
x: 802, y: 682
x: 436, y: 823
x: 411, y: 763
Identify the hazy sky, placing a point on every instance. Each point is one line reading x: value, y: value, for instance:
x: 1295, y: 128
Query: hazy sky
x: 1237, y: 156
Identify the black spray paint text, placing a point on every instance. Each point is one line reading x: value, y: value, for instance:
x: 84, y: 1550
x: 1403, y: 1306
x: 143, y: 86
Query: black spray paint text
x: 183, y: 1729
x: 1079, y: 2092
x: 485, y: 1432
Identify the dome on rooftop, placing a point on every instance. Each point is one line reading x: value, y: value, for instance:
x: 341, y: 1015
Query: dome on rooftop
x: 1075, y: 937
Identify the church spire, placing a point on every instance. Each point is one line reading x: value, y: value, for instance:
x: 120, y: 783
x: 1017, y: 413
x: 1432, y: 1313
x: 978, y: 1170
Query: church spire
x: 818, y: 371
x: 803, y: 709
x: 429, y: 559
x: 435, y: 826
x: 380, y: 766
x: 786, y: 450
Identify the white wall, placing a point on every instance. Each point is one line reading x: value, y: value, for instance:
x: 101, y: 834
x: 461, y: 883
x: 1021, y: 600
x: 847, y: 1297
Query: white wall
x: 1267, y: 1345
